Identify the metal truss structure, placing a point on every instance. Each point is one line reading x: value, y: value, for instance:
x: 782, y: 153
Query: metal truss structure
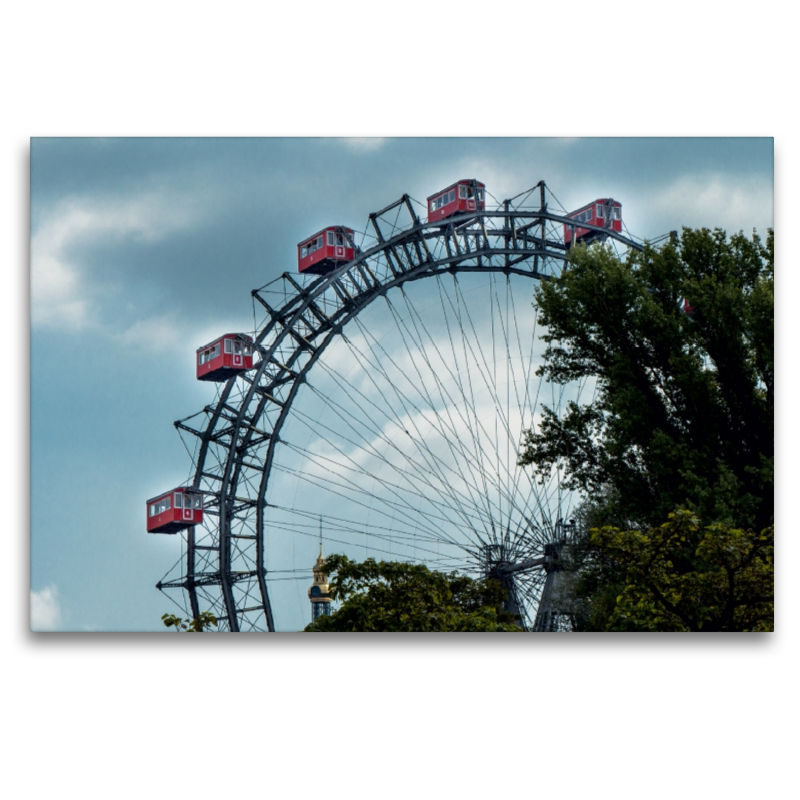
x: 236, y: 441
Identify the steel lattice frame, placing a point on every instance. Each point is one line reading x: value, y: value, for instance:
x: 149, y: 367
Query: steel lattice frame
x: 223, y: 568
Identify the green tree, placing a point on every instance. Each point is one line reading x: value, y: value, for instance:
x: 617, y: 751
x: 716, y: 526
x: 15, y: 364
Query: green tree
x: 394, y: 596
x: 683, y: 412
x: 681, y: 577
x: 196, y: 625
x: 682, y: 418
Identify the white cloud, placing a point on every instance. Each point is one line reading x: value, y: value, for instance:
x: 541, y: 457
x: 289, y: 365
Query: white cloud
x: 713, y: 201
x: 501, y: 182
x: 45, y: 610
x: 155, y: 334
x: 57, y: 297
x: 62, y: 292
x: 364, y: 143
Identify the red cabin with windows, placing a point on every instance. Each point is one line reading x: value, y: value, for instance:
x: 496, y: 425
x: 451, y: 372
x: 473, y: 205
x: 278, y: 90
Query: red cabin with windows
x: 606, y: 213
x: 224, y: 357
x: 325, y: 250
x: 172, y: 512
x: 464, y: 196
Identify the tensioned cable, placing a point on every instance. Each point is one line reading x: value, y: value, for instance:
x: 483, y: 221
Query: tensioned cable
x: 458, y: 310
x: 505, y: 339
x: 440, y: 427
x: 431, y: 337
x: 328, y: 538
x: 462, y: 329
x: 393, y: 488
x: 474, y: 459
x: 479, y: 445
x: 448, y: 402
x: 434, y: 462
x: 382, y: 409
x: 347, y: 492
x: 457, y: 376
x: 310, y: 530
x: 348, y: 419
x: 335, y: 523
x: 345, y: 484
x: 523, y: 403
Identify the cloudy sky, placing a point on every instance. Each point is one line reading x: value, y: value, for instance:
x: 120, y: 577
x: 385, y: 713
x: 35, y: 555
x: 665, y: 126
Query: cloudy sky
x: 143, y: 249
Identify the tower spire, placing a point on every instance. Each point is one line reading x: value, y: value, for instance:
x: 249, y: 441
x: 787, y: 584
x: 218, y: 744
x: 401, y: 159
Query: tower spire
x: 319, y: 593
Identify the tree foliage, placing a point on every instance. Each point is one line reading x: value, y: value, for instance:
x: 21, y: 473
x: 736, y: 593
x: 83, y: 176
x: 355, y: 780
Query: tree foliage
x: 197, y: 625
x: 683, y: 412
x: 681, y: 577
x: 395, y: 596
x: 679, y: 342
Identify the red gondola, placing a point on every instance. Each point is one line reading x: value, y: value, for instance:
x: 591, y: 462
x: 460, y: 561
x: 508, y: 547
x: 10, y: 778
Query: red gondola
x: 229, y: 355
x: 172, y: 512
x: 325, y: 250
x: 466, y: 195
x: 606, y: 213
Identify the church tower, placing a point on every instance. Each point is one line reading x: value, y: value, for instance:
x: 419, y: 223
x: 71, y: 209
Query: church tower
x: 318, y: 592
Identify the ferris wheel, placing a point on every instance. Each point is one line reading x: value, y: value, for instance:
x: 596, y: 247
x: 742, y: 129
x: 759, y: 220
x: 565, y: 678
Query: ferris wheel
x: 378, y: 407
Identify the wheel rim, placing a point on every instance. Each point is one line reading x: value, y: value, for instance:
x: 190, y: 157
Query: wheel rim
x: 452, y: 404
